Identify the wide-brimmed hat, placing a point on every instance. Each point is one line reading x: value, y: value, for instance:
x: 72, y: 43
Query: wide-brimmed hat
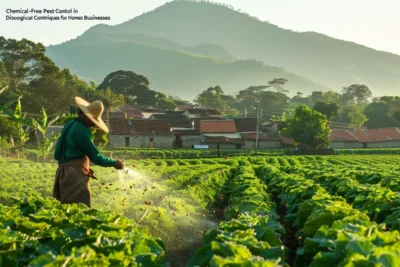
x: 93, y: 111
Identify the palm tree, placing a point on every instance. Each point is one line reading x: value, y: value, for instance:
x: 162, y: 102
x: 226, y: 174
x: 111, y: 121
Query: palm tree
x: 278, y: 85
x: 110, y: 100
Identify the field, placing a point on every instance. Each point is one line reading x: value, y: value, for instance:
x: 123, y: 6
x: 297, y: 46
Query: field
x: 341, y: 210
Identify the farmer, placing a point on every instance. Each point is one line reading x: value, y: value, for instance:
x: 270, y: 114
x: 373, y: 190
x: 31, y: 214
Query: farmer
x: 73, y: 151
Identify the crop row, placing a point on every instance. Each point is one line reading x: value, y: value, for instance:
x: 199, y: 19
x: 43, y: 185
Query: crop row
x: 251, y: 234
x: 43, y: 231
x: 380, y: 202
x: 330, y: 231
x: 364, y: 174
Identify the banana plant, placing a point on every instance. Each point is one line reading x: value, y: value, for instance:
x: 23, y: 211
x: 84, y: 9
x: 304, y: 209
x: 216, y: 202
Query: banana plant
x: 18, y: 117
x: 45, y: 143
x: 41, y: 126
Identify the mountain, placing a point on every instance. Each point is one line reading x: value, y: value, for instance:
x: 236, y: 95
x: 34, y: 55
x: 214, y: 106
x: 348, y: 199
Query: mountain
x: 170, y: 70
x: 334, y: 63
x: 104, y: 33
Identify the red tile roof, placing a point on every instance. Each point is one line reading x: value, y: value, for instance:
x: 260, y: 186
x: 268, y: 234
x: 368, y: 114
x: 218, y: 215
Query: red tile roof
x: 131, y: 112
x: 198, y: 120
x: 118, y: 126
x: 362, y: 136
x: 186, y: 132
x: 385, y: 134
x: 366, y: 136
x: 221, y: 140
x: 217, y: 126
x: 393, y: 133
x: 114, y: 115
x: 342, y: 136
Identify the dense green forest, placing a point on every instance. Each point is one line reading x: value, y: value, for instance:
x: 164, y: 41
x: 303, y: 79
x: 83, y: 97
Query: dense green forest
x: 160, y: 59
x: 26, y: 71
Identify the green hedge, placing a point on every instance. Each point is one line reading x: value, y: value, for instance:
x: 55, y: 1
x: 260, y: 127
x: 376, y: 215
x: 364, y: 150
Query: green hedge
x: 368, y: 151
x: 181, y: 153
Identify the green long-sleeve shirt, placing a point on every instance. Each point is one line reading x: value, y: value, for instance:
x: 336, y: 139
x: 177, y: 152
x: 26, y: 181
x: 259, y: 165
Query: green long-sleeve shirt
x: 76, y: 142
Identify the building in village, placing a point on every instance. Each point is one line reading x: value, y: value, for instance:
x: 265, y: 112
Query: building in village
x: 268, y: 137
x: 131, y: 113
x: 113, y: 115
x: 246, y: 125
x: 372, y: 138
x: 177, y: 121
x: 147, y: 112
x: 220, y: 134
x: 344, y: 139
x: 186, y: 138
x: 201, y: 113
x: 265, y: 140
x: 182, y: 108
x: 141, y: 134
x: 185, y: 129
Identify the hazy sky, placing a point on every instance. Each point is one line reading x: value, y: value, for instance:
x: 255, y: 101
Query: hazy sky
x: 374, y: 23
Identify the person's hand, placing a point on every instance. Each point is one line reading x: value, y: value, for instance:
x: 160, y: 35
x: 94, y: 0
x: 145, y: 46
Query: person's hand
x: 120, y: 164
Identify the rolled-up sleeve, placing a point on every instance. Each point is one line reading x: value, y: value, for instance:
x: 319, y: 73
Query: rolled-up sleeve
x: 90, y: 150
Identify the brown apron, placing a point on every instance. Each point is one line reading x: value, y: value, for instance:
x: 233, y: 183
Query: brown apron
x: 72, y: 182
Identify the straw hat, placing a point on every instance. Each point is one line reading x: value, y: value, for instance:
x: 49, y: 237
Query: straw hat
x: 93, y: 111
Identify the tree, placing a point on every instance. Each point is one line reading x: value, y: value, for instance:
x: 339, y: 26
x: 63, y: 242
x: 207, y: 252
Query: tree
x: 179, y: 101
x: 3, y: 77
x: 134, y: 87
x: 269, y: 101
x: 331, y: 96
x: 355, y: 115
x: 396, y: 115
x: 329, y: 109
x: 356, y: 93
x: 100, y: 138
x: 23, y: 124
x: 165, y: 102
x: 41, y: 126
x: 79, y: 85
x: 17, y: 117
x: 215, y: 98
x: 393, y: 102
x: 308, y: 127
x: 273, y: 99
x: 110, y: 100
x: 298, y: 99
x: 50, y: 91
x: 210, y: 98
x: 278, y: 85
x: 378, y: 115
x: 316, y: 95
x: 22, y: 60
x: 8, y: 129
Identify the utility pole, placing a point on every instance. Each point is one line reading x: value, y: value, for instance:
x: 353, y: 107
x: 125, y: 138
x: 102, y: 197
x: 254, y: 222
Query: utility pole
x: 258, y: 121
